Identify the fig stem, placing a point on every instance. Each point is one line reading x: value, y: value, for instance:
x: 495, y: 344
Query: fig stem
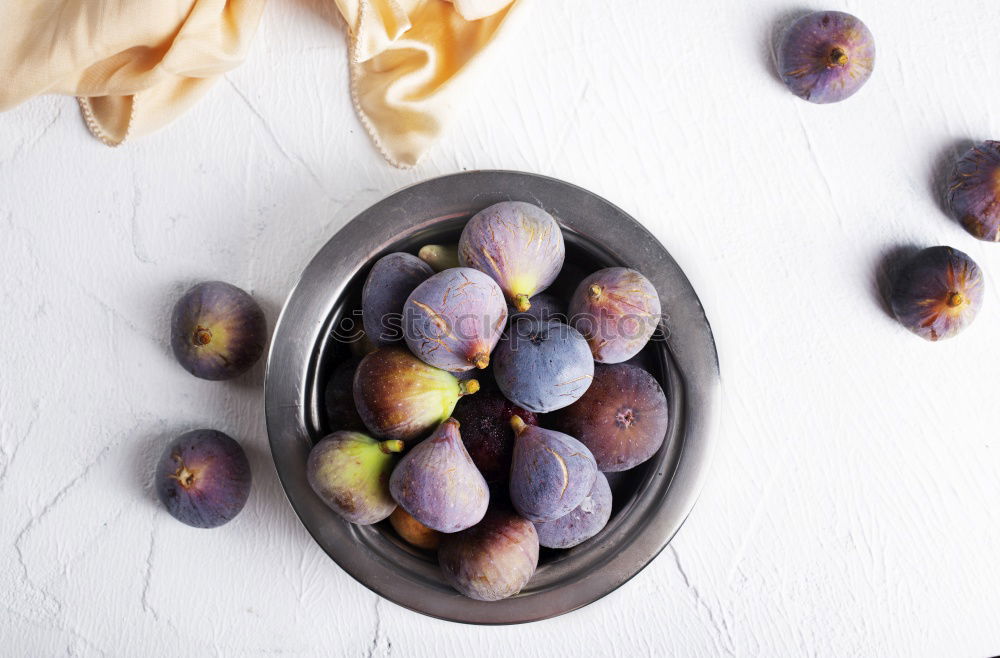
x: 955, y: 299
x: 202, y: 336
x: 838, y: 57
x: 183, y: 474
x: 595, y: 292
x: 522, y: 303
x: 517, y: 424
x: 481, y: 360
x: 391, y: 446
x: 468, y: 387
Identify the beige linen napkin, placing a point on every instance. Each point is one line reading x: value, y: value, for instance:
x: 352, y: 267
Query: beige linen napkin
x: 137, y: 64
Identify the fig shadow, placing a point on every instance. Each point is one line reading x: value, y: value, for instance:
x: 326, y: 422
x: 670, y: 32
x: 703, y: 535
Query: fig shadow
x: 771, y: 41
x: 886, y: 267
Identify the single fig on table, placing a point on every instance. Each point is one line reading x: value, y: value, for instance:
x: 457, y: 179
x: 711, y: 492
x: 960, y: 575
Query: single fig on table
x: 440, y: 257
x: 543, y: 366
x: 487, y: 434
x: 494, y: 559
x: 437, y: 483
x: 617, y: 310
x: 203, y: 478
x: 588, y: 519
x: 826, y: 56
x: 398, y: 396
x: 350, y: 472
x: 390, y: 281
x: 454, y: 319
x: 551, y: 472
x: 217, y: 331
x: 622, y: 418
x: 338, y: 398
x: 974, y: 191
x: 414, y: 532
x: 518, y: 244
x: 937, y: 293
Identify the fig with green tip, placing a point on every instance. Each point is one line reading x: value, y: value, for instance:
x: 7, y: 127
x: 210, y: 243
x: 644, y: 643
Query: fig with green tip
x: 440, y: 257
x: 350, y: 472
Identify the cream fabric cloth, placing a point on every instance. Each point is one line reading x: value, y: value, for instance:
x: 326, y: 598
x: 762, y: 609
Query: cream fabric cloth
x: 137, y: 64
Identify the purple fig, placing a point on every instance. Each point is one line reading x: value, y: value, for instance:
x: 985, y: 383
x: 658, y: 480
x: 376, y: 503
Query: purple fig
x: 617, y: 310
x: 493, y: 560
x: 398, y: 396
x: 203, y: 478
x: 551, y: 472
x: 937, y: 293
x: 414, y: 532
x: 437, y: 483
x: 350, y: 472
x: 588, y: 519
x: 974, y: 191
x: 826, y: 56
x: 545, y: 307
x: 217, y: 331
x: 454, y: 319
x: 622, y: 418
x: 516, y: 243
x: 440, y: 257
x: 487, y: 434
x: 338, y: 398
x: 390, y: 281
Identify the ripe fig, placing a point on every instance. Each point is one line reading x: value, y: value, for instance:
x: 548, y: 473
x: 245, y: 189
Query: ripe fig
x: 617, y: 310
x: 217, y: 331
x: 622, y: 418
x: 487, y: 434
x: 453, y: 320
x: 493, y: 560
x: 974, y: 191
x: 440, y: 257
x: 203, y: 478
x: 826, y: 56
x: 437, y: 483
x: 937, y: 293
x: 413, y: 531
x: 338, y: 398
x: 551, y: 472
x: 543, y: 366
x: 516, y: 243
x: 390, y: 281
x: 350, y: 472
x: 398, y: 396
x: 588, y: 519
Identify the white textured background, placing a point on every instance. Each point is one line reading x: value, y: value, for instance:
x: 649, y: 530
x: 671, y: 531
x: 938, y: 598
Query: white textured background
x: 854, y: 502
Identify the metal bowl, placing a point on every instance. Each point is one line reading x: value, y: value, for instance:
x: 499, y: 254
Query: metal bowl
x: 651, y: 501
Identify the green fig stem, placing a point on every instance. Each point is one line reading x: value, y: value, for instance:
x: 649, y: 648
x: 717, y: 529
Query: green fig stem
x: 838, y: 57
x: 522, y: 303
x: 955, y: 299
x: 468, y: 387
x: 517, y: 424
x: 390, y: 446
x: 481, y: 360
x: 595, y: 292
x: 201, y: 336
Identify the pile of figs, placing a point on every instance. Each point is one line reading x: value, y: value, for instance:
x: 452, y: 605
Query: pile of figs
x: 484, y: 412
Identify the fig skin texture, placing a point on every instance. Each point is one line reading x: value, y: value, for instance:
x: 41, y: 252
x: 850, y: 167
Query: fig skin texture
x: 617, y: 310
x: 390, y: 281
x: 454, y: 319
x: 398, y: 396
x: 438, y: 484
x: 493, y: 560
x: 622, y: 418
x: 588, y: 519
x: 414, y: 532
x: 937, y: 293
x: 518, y: 244
x: 545, y: 307
x: 203, y: 478
x: 826, y: 56
x: 543, y: 366
x: 350, y: 471
x: 551, y: 472
x: 487, y: 434
x: 217, y: 331
x: 974, y: 191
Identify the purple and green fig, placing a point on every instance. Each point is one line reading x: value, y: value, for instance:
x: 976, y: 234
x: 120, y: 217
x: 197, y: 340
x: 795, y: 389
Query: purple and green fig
x: 493, y: 560
x: 550, y: 474
x: 217, y: 331
x: 588, y: 519
x: 543, y: 366
x: 203, y: 478
x: 826, y: 56
x: 398, y: 396
x: 390, y: 281
x: 937, y: 293
x: 487, y: 433
x: 350, y: 471
x: 622, y: 418
x: 414, y: 532
x: 338, y: 398
x: 438, y: 484
x: 454, y: 319
x: 440, y: 257
x: 617, y: 310
x: 518, y: 244
x: 974, y: 191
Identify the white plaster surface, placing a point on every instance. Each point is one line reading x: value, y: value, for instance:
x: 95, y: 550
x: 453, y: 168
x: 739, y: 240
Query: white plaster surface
x: 853, y: 508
